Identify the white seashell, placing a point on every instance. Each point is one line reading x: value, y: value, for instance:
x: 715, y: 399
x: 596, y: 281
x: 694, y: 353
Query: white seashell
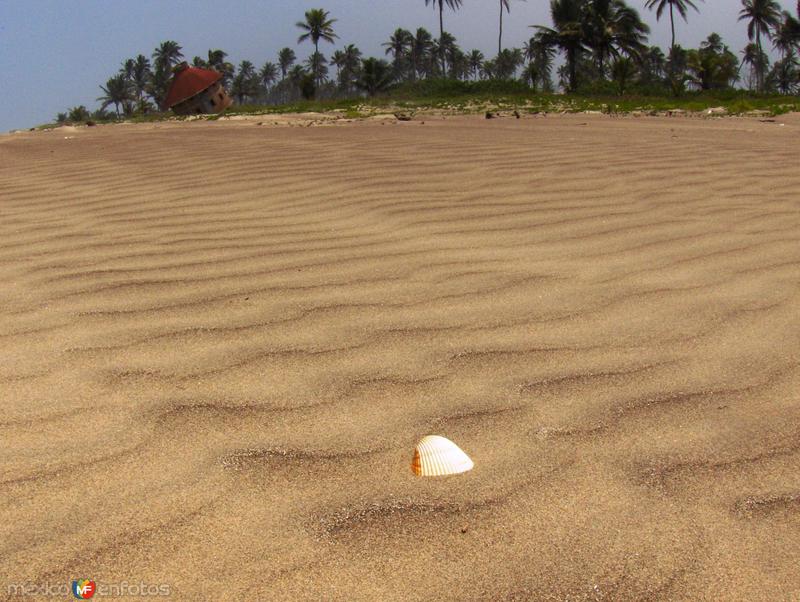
x: 435, y: 456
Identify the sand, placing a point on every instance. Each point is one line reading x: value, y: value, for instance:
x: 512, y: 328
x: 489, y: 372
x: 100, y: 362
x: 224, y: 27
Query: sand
x: 221, y: 341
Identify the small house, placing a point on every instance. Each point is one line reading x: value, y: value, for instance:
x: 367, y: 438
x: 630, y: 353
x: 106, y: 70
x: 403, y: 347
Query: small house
x: 194, y: 91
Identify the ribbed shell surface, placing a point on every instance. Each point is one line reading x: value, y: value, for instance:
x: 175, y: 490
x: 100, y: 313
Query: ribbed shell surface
x: 436, y: 456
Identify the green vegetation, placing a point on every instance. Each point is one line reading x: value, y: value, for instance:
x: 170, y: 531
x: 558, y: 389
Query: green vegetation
x: 473, y: 100
x: 607, y: 64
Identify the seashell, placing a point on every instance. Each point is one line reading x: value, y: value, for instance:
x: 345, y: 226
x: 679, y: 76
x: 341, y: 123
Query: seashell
x: 435, y: 456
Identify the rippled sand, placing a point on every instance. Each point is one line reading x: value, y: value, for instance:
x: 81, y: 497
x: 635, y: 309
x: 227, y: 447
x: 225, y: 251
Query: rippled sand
x: 220, y: 342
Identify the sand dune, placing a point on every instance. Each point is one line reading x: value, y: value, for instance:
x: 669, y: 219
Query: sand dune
x: 221, y: 341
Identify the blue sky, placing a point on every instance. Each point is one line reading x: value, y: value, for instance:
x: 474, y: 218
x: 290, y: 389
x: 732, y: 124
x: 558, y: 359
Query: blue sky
x: 55, y: 53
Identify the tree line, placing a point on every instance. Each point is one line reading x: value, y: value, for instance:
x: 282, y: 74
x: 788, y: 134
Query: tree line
x: 603, y: 44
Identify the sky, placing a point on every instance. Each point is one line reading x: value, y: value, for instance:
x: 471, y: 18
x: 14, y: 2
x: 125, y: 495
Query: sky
x: 54, y: 54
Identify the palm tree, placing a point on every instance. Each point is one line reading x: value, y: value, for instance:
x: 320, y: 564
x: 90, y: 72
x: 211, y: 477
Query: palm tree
x: 420, y: 50
x: 217, y: 62
x: 245, y: 85
x: 623, y: 71
x: 376, y: 76
x: 785, y: 75
x: 302, y: 81
x: 652, y: 66
x: 680, y: 5
x: 286, y: 58
x: 540, y: 62
x: 567, y: 34
x: 296, y: 74
x: 613, y: 28
x: 454, y: 5
x: 475, y: 62
x: 318, y: 65
x: 447, y: 49
x: 141, y: 75
x: 504, y: 4
x: 459, y: 64
x: 247, y: 70
x: 399, y: 46
x: 507, y: 62
x: 79, y: 113
x: 758, y: 61
x: 167, y: 55
x: 763, y: 16
x: 268, y: 74
x: 488, y: 69
x: 787, y: 35
x: 530, y: 75
x: 127, y: 69
x: 337, y: 60
x: 713, y: 66
x: 351, y: 65
x: 117, y: 91
x: 317, y: 26
x: 713, y: 43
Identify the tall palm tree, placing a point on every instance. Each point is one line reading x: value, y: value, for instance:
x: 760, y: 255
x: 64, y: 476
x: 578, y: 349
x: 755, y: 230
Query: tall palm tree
x: 680, y: 5
x: 504, y: 4
x: 454, y: 5
x: 117, y: 91
x: 567, y: 34
x: 762, y: 17
x: 317, y: 26
x: 286, y: 58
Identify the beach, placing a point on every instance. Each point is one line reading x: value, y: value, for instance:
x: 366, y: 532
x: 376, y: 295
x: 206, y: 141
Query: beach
x: 221, y: 341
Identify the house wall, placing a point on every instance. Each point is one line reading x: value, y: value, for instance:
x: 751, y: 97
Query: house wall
x: 212, y: 100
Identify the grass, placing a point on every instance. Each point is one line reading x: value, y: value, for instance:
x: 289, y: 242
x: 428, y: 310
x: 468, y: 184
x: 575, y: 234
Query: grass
x: 735, y: 104
x: 475, y: 97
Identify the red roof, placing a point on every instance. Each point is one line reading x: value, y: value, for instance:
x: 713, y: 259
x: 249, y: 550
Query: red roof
x: 189, y: 81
